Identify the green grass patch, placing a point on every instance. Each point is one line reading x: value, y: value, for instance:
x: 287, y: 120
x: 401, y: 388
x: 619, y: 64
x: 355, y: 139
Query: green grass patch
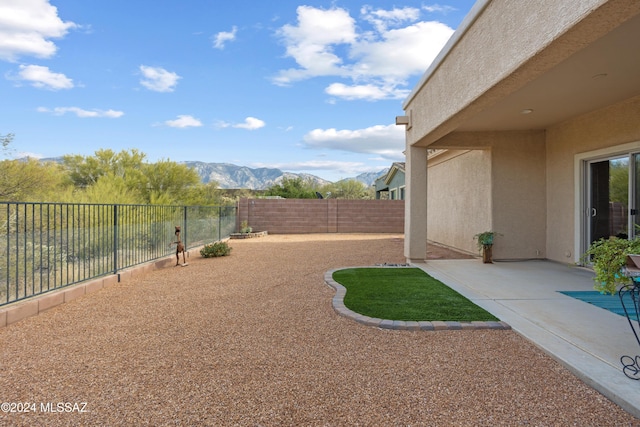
x: 405, y: 294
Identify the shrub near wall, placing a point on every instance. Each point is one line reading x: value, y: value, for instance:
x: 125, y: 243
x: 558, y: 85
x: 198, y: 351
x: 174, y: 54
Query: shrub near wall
x: 300, y: 216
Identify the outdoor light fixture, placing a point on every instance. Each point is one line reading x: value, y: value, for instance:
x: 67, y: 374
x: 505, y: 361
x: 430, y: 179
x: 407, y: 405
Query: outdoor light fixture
x: 402, y: 120
x: 405, y: 120
x: 526, y: 111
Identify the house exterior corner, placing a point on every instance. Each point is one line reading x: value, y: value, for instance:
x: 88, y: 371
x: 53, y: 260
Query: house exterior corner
x: 534, y: 136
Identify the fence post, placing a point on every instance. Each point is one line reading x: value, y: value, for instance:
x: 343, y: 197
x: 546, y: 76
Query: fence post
x: 219, y: 224
x: 115, y: 239
x: 186, y: 231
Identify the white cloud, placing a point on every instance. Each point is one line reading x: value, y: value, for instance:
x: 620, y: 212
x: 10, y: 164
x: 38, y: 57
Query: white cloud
x: 311, y: 43
x: 184, y: 121
x: 378, y: 62
x: 338, y: 167
x: 388, y: 142
x: 369, y: 92
x: 437, y: 8
x: 250, y: 123
x: 222, y: 37
x: 43, y: 78
x: 59, y: 111
x: 158, y: 79
x: 382, y: 19
x: 401, y: 52
x: 315, y: 165
x: 26, y: 27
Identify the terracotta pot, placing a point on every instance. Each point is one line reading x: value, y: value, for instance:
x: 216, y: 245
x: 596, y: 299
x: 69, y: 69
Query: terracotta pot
x: 487, y: 254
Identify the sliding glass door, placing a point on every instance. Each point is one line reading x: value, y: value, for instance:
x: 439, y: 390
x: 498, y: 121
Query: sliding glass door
x: 613, y: 189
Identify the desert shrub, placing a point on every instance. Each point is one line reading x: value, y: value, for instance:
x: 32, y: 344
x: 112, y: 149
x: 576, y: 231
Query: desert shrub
x: 215, y: 250
x: 244, y: 227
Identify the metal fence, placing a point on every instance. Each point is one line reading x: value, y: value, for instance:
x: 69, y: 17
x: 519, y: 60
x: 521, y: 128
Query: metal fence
x: 46, y: 246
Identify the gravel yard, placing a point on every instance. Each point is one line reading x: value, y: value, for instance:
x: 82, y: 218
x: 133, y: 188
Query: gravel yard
x: 252, y: 340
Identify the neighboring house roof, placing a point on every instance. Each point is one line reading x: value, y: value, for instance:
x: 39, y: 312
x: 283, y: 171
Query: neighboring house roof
x: 395, y: 168
x: 383, y: 181
x: 381, y: 185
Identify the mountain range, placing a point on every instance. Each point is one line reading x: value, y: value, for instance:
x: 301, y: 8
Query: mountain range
x: 230, y: 176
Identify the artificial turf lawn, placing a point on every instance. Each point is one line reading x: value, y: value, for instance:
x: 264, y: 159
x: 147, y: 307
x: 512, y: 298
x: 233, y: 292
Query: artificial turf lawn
x: 405, y: 294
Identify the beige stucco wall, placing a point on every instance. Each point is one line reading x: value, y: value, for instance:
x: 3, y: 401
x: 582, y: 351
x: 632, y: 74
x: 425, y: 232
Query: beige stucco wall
x: 500, y: 185
x: 602, y: 132
x: 519, y: 194
x: 415, y: 213
x: 454, y: 217
x: 523, y: 184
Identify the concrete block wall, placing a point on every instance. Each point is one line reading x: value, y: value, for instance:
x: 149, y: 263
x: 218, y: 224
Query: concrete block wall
x: 303, y: 216
x: 370, y: 216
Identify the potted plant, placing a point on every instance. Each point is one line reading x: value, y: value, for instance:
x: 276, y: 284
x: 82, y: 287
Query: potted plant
x: 485, y: 244
x: 608, y: 258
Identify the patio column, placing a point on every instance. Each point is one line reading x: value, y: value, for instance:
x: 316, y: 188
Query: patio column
x: 415, y: 213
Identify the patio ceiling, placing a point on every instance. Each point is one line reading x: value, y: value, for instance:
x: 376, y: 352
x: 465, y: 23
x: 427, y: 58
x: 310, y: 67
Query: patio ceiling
x: 605, y: 72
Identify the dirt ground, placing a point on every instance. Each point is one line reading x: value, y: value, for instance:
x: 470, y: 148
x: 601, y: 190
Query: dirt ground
x: 252, y: 340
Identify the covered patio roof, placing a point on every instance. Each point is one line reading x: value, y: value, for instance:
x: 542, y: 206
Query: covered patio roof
x: 587, y: 65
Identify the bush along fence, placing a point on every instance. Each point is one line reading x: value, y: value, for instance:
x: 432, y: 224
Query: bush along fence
x: 46, y: 246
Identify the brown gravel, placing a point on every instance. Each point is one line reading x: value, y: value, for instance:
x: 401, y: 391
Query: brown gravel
x: 252, y: 340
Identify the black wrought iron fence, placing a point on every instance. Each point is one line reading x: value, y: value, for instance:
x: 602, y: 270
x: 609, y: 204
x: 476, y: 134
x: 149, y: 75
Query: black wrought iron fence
x: 45, y: 246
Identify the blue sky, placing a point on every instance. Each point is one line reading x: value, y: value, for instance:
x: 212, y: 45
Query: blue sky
x: 304, y: 86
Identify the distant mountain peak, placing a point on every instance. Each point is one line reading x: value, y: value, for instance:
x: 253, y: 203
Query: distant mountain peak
x: 230, y: 176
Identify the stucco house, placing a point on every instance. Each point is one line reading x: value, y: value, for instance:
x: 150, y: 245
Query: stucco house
x: 391, y: 183
x: 528, y: 124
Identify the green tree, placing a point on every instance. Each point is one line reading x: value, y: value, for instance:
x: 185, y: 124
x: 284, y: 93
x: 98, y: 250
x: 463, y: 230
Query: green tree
x: 28, y: 179
x: 31, y: 180
x: 230, y: 196
x: 203, y: 195
x: 109, y: 189
x: 167, y: 182
x: 87, y: 170
x: 619, y: 181
x: 348, y: 189
x: 129, y: 179
x: 293, y: 188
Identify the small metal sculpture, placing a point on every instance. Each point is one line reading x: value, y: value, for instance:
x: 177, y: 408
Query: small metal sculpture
x: 179, y: 247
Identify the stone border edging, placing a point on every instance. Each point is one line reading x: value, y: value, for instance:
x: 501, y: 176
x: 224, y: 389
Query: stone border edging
x: 342, y: 310
x: 248, y: 235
